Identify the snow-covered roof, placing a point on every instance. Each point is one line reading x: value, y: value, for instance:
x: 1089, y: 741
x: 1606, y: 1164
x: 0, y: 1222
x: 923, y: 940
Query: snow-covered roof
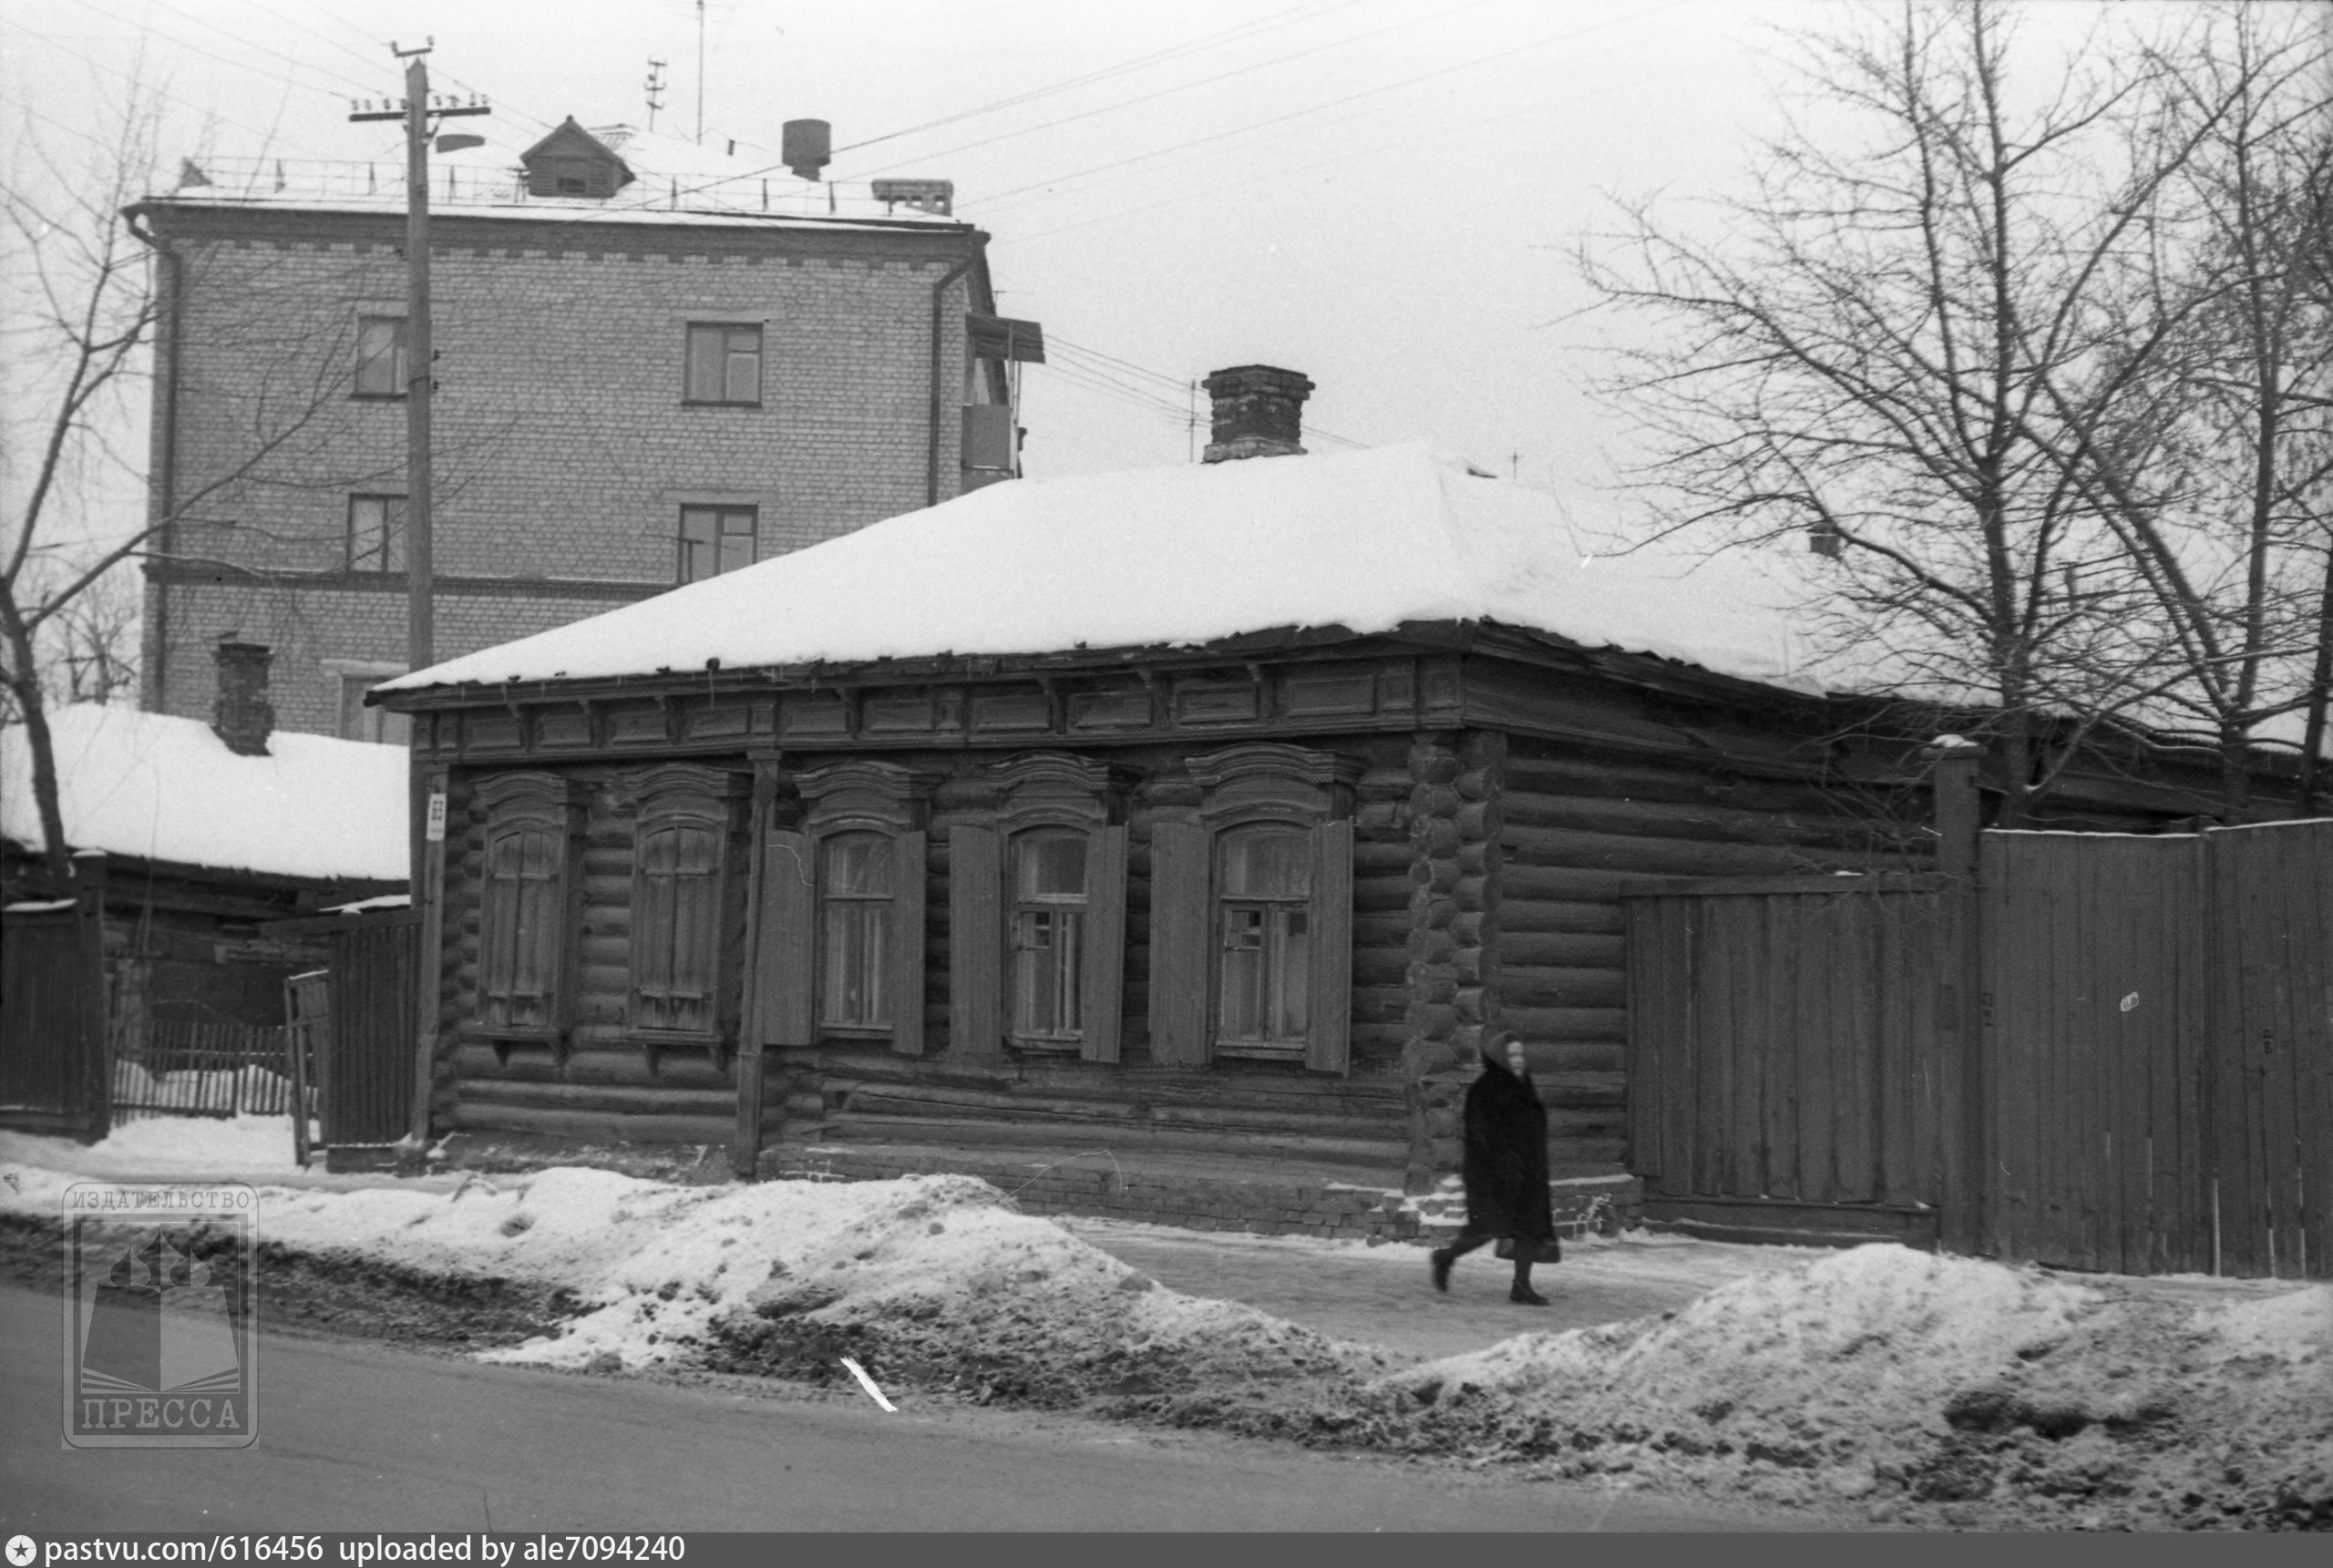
x: 676, y: 182
x: 1185, y: 556
x: 166, y: 788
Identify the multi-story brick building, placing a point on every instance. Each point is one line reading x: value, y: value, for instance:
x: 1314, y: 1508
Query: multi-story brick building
x: 653, y: 364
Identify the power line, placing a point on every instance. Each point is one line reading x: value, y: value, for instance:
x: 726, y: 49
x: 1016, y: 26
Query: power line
x: 1245, y: 29
x: 148, y: 25
x: 1047, y: 185
x: 143, y: 84
x: 1116, y: 106
x: 1210, y: 40
x: 1375, y: 149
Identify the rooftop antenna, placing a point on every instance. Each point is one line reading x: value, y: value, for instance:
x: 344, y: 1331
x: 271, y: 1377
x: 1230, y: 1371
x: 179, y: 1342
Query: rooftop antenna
x: 655, y: 84
x: 700, y: 73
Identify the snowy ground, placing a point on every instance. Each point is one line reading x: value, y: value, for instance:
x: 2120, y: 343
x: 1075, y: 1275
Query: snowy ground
x: 1895, y: 1385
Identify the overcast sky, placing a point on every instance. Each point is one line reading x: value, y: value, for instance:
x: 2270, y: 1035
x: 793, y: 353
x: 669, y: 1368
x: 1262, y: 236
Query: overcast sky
x: 1380, y: 193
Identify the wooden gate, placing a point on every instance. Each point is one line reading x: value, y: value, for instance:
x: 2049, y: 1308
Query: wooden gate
x: 2151, y: 1089
x: 1783, y: 1066
x: 353, y: 1032
x: 2159, y: 1049
x: 53, y: 1010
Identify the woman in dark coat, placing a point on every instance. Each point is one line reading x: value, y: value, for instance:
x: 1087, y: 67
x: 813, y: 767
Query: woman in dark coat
x: 1506, y: 1171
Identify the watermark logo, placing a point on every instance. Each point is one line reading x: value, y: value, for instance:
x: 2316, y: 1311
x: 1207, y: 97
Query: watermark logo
x: 159, y: 1327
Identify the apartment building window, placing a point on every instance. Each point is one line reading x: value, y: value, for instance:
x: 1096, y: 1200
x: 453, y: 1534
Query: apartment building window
x: 725, y: 365
x: 376, y: 533
x: 359, y: 722
x: 715, y: 539
x: 380, y: 356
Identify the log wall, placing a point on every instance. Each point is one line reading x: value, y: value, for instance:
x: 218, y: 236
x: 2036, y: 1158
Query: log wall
x: 1576, y: 828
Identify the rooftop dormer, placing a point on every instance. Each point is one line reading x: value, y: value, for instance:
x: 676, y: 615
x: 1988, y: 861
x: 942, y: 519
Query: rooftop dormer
x: 572, y: 161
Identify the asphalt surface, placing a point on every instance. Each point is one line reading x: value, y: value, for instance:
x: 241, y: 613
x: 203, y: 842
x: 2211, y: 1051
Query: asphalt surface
x: 358, y: 1436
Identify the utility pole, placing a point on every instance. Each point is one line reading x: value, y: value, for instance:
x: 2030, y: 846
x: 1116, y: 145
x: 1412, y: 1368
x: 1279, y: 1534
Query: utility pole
x: 700, y: 73
x: 420, y: 603
x: 655, y: 84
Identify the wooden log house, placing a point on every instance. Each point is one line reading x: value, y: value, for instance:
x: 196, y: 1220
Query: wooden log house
x: 1152, y: 833
x: 210, y: 832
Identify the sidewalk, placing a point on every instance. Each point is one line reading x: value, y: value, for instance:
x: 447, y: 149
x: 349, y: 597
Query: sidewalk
x: 1377, y: 1293
x: 1382, y: 1295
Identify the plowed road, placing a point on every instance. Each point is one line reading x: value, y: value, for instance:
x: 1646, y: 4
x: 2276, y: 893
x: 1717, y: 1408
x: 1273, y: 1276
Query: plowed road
x: 359, y: 1436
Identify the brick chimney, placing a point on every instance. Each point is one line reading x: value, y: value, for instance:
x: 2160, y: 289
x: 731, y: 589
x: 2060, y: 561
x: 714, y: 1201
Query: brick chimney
x: 1259, y: 413
x: 243, y: 716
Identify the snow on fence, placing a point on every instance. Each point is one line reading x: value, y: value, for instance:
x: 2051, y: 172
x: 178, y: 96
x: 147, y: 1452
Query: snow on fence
x: 174, y: 1068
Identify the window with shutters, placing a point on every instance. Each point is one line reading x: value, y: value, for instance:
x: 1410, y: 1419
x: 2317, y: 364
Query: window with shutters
x: 1048, y: 932
x: 1252, y: 912
x: 839, y: 953
x: 855, y: 918
x: 682, y: 925
x: 725, y: 365
x: 1036, y: 894
x: 526, y: 915
x: 1263, y: 882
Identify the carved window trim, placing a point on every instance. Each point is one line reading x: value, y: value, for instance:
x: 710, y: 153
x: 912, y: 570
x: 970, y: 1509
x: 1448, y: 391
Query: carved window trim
x: 1038, y: 792
x: 1262, y: 784
x: 894, y: 804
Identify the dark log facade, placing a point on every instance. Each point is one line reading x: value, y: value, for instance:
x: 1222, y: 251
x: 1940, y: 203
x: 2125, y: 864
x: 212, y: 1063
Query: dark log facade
x: 1266, y: 895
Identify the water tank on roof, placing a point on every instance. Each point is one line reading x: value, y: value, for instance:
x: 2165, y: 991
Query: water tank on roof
x: 806, y: 147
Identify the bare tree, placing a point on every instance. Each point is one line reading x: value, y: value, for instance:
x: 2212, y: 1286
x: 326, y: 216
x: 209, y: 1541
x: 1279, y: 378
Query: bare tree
x: 1914, y: 340
x: 2217, y: 479
x: 78, y: 346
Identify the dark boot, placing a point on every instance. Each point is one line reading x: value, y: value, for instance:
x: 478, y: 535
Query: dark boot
x: 1442, y: 1258
x: 1523, y: 1295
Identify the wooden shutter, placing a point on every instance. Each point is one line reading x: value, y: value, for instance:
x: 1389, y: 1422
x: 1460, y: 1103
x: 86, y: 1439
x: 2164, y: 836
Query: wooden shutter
x: 541, y: 929
x: 905, y: 978
x: 1180, y: 952
x: 696, y: 929
x: 785, y: 974
x: 497, y: 928
x: 1105, y: 943
x: 652, y: 915
x: 1329, y: 1047
x: 975, y: 942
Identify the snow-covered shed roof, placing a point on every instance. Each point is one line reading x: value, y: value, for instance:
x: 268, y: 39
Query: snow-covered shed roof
x: 166, y: 788
x: 1180, y: 556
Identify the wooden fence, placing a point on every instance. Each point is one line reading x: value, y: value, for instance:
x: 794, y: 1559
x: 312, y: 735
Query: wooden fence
x: 172, y: 1067
x: 2159, y: 1050
x: 2149, y: 1087
x: 52, y: 1009
x: 1785, y: 1065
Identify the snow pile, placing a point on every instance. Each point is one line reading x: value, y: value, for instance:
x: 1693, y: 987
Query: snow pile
x: 1893, y: 1380
x: 165, y: 788
x: 170, y: 1148
x: 929, y: 1279
x: 1364, y: 540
